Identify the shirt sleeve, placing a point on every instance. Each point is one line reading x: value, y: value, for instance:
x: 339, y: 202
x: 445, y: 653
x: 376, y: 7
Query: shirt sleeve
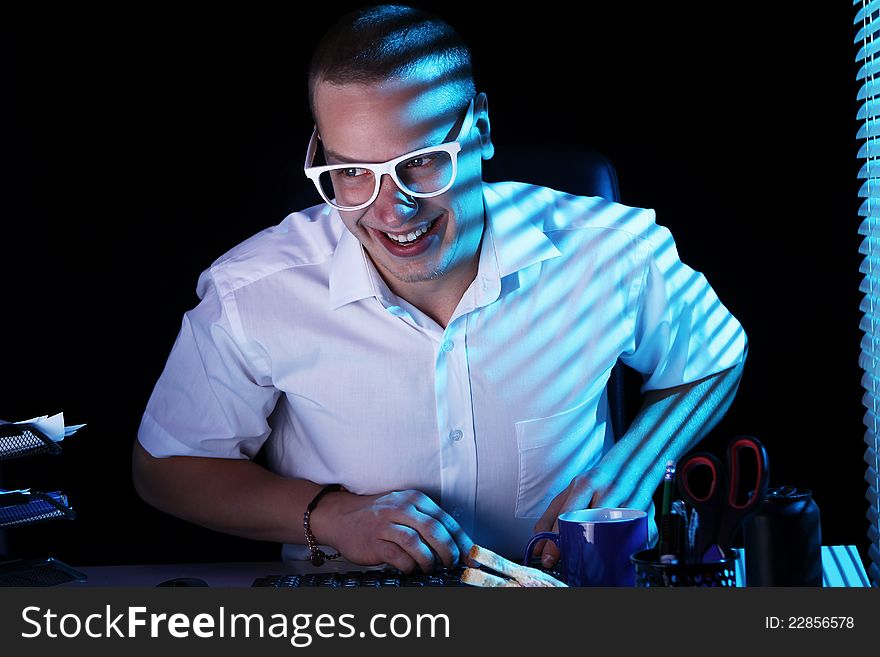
x: 683, y: 332
x: 210, y: 399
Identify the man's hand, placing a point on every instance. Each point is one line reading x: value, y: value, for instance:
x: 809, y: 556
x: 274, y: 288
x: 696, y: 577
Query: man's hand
x: 404, y: 529
x: 595, y: 488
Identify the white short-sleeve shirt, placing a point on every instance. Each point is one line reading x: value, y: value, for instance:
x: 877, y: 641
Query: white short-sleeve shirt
x: 298, y: 341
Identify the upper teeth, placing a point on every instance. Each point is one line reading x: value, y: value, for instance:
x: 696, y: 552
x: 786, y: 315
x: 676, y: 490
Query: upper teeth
x: 409, y: 237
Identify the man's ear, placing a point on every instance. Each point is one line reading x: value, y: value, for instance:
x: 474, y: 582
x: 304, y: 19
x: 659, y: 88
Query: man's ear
x: 481, y: 123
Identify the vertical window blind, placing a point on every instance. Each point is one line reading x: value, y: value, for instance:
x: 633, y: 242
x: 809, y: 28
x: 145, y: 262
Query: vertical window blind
x: 867, y: 22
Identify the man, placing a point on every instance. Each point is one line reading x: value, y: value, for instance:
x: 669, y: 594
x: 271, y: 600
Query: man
x: 434, y: 348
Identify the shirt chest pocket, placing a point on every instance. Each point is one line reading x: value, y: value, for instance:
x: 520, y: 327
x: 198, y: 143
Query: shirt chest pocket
x: 552, y: 450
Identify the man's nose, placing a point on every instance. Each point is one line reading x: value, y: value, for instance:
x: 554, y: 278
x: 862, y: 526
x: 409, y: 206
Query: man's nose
x: 394, y: 206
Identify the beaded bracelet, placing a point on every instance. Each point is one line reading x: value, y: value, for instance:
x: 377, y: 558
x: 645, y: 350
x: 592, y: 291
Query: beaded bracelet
x: 318, y: 555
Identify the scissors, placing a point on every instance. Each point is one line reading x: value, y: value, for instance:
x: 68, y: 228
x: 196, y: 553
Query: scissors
x: 719, y: 511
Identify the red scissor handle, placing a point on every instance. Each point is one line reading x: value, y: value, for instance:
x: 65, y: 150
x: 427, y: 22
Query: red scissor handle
x: 691, y: 463
x: 733, y: 464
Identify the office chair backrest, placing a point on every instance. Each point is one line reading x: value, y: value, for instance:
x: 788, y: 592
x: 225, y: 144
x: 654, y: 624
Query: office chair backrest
x: 577, y: 170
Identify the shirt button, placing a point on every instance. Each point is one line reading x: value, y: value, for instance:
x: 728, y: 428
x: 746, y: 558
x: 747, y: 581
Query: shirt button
x: 456, y: 435
x: 447, y: 345
x: 457, y: 512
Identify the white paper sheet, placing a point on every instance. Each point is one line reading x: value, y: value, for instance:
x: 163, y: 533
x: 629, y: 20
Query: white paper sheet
x: 52, y: 426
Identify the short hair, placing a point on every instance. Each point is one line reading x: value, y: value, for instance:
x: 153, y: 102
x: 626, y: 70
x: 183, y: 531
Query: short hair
x: 375, y: 44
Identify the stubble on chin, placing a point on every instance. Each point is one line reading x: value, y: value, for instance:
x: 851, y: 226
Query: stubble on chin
x: 410, y: 275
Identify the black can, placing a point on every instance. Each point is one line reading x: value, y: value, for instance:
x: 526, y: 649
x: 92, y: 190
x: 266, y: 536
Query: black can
x: 783, y: 540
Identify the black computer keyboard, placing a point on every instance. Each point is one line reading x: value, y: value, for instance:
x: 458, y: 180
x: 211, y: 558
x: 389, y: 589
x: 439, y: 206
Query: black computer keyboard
x: 370, y: 578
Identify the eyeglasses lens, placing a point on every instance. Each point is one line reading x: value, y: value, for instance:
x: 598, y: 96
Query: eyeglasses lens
x: 352, y: 186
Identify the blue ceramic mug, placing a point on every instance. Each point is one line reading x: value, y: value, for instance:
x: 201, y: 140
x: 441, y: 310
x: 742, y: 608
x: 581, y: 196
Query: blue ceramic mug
x: 595, y: 545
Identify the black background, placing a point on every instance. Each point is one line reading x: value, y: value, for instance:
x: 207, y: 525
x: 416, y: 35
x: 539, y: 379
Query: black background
x: 140, y: 144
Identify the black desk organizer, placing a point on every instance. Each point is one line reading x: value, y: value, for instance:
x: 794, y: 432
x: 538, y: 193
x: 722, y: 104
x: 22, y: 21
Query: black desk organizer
x: 27, y: 508
x: 651, y: 572
x: 18, y: 440
x: 18, y: 509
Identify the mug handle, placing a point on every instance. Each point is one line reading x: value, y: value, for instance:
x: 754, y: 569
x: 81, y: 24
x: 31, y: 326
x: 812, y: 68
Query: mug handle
x: 527, y: 559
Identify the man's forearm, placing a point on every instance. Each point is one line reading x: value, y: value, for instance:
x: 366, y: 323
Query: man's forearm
x: 669, y: 424
x: 232, y: 496
x: 405, y: 529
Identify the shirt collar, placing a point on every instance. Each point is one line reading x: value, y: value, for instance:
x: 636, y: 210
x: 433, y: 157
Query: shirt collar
x: 511, y: 242
x: 350, y: 276
x: 518, y: 242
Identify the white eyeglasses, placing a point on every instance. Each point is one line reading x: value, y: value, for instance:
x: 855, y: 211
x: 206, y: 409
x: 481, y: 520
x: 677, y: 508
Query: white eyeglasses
x: 422, y: 173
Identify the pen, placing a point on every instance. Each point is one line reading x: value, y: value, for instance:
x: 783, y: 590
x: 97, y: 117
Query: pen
x: 666, y: 526
x: 693, y: 526
x: 668, y: 478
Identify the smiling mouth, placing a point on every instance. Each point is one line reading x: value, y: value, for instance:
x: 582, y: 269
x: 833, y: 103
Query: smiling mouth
x: 413, y: 237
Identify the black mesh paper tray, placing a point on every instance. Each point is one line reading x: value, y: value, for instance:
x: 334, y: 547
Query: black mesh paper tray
x: 40, y: 572
x: 28, y: 508
x: 17, y: 440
